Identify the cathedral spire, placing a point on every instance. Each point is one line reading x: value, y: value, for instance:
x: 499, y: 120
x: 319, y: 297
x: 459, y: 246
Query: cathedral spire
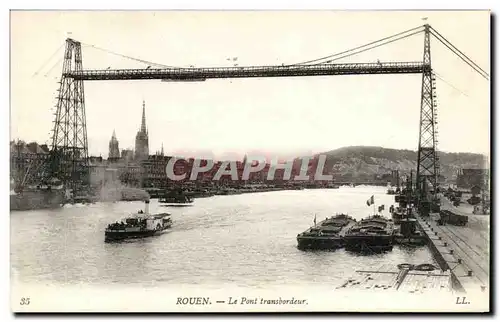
x: 162, y: 153
x: 143, y: 124
x: 141, y: 139
x: 114, y: 149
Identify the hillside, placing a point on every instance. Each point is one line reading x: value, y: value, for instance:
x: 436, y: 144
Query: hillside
x: 357, y: 161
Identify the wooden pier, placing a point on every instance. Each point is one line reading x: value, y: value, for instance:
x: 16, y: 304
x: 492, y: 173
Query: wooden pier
x: 404, y: 279
x: 465, y: 250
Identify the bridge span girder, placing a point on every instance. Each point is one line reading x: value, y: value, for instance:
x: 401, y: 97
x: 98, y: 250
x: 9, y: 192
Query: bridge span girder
x: 202, y: 74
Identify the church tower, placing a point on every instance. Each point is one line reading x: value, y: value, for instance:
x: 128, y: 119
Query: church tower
x: 114, y: 149
x: 141, y: 139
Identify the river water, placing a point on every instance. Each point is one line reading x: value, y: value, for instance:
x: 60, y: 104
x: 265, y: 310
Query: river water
x: 243, y: 240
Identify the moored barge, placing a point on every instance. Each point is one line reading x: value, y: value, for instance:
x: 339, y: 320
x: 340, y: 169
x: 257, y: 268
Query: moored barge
x: 371, y: 234
x: 327, y: 235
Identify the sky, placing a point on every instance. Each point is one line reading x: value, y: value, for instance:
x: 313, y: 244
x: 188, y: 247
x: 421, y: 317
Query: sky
x: 231, y: 117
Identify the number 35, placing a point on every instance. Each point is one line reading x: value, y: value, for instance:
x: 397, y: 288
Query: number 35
x: 25, y: 301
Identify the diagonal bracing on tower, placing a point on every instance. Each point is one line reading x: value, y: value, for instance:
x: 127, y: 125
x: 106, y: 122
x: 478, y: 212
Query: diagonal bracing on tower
x: 69, y: 159
x: 427, y: 162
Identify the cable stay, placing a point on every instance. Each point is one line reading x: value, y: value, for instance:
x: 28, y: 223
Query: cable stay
x: 446, y: 40
x: 366, y: 49
x: 459, y: 54
x: 366, y: 45
x: 53, y: 66
x: 449, y: 84
x: 48, y: 60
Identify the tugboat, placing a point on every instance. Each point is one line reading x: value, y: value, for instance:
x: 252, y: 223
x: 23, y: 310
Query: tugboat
x: 139, y: 225
x: 371, y: 234
x: 327, y: 234
x: 398, y: 214
x: 408, y: 234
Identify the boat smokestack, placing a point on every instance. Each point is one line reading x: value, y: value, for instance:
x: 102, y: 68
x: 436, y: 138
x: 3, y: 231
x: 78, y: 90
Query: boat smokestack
x: 146, y: 210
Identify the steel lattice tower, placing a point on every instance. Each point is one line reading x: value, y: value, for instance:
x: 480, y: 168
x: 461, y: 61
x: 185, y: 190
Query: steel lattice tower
x: 427, y: 162
x: 70, y: 161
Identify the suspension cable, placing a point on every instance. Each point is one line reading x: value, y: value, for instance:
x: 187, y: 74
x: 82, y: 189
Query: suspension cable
x: 463, y: 57
x: 343, y: 54
x: 359, y: 47
x: 129, y: 57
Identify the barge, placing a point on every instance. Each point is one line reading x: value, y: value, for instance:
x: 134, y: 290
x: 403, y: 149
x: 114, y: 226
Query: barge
x: 371, y: 234
x: 327, y: 235
x: 175, y: 197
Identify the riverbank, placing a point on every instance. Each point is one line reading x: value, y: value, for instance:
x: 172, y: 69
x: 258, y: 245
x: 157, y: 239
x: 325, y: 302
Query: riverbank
x: 223, y: 191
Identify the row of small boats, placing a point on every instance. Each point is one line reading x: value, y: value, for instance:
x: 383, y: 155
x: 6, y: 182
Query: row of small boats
x: 373, y: 234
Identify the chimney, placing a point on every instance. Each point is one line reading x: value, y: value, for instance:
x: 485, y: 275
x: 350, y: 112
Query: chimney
x: 146, y: 210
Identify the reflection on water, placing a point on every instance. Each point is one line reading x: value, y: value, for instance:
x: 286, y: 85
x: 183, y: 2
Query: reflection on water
x: 241, y: 240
